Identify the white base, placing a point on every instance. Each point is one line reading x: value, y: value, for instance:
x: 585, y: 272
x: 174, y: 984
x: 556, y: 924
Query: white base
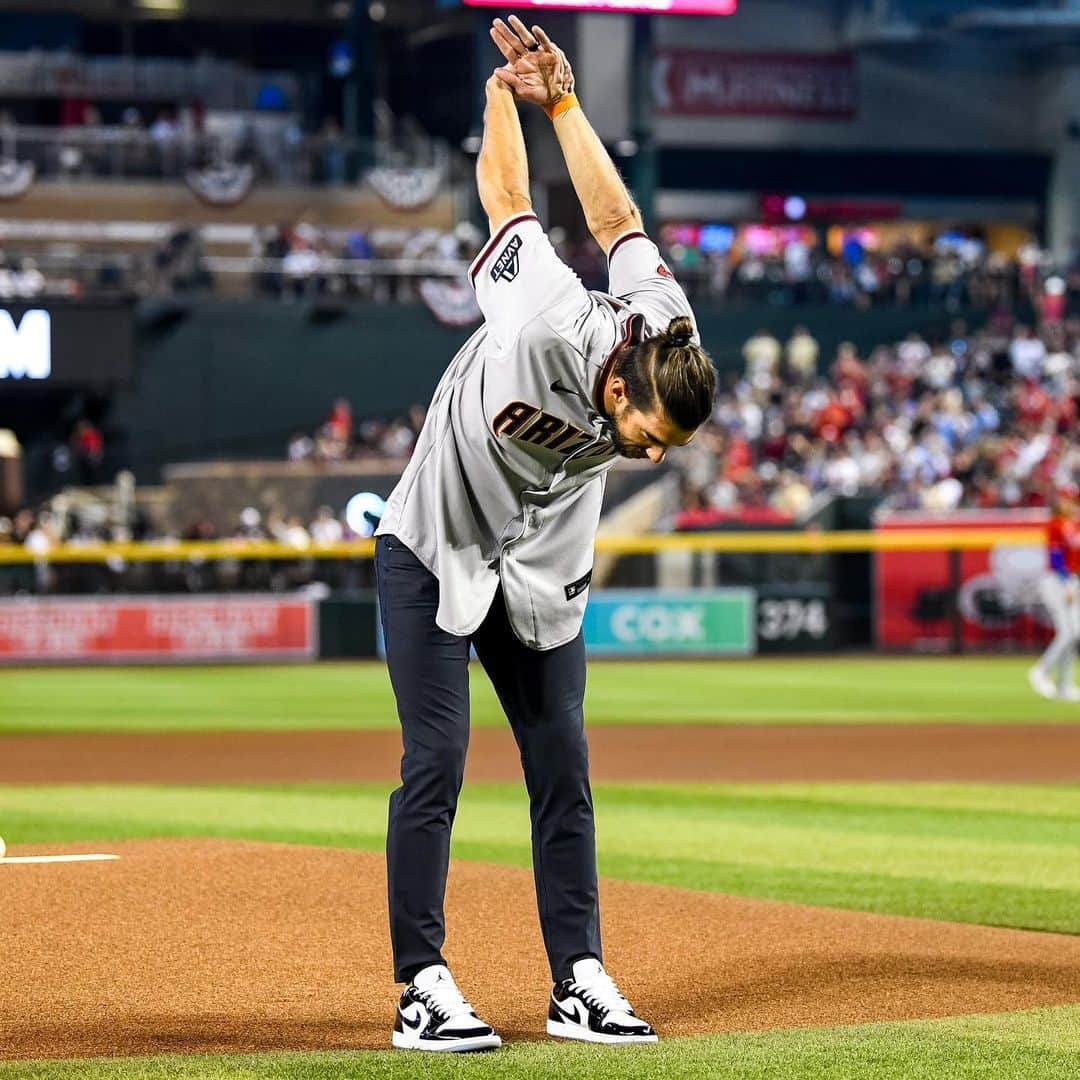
x: 583, y: 1034
x: 403, y: 1040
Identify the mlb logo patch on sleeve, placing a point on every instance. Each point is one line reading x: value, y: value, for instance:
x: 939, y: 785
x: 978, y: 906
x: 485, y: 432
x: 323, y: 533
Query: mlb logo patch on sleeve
x: 507, y: 264
x: 576, y: 588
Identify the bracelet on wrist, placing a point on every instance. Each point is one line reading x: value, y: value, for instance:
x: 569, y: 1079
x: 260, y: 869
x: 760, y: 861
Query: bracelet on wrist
x: 564, y: 104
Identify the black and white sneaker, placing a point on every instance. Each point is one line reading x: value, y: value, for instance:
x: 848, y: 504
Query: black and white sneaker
x: 434, y: 1015
x: 590, y: 1007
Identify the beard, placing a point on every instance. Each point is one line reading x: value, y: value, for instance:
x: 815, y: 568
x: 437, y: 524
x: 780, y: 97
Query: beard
x: 623, y: 448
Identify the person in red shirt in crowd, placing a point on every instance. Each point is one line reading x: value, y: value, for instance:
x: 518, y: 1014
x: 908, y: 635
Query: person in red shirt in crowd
x: 834, y: 419
x: 848, y: 372
x: 88, y: 447
x: 1052, y: 676
x: 738, y: 458
x: 1033, y: 403
x: 339, y: 424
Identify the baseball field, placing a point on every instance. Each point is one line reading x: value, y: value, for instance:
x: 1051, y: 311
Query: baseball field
x: 842, y: 867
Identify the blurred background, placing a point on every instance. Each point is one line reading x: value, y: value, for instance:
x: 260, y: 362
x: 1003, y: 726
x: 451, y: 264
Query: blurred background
x: 233, y: 242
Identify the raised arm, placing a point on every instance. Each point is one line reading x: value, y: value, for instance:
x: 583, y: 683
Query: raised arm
x: 502, y: 169
x: 609, y: 208
x: 538, y: 72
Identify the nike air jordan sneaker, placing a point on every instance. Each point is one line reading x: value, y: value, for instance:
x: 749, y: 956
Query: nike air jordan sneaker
x: 590, y: 1007
x: 434, y: 1015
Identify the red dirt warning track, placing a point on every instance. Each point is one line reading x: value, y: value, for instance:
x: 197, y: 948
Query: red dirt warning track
x: 634, y: 752
x: 185, y: 946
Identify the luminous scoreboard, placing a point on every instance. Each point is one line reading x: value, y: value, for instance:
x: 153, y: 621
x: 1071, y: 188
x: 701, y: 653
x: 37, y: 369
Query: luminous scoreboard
x: 61, y: 344
x: 656, y: 7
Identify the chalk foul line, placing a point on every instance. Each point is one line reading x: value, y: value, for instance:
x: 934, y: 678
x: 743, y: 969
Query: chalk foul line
x: 57, y: 858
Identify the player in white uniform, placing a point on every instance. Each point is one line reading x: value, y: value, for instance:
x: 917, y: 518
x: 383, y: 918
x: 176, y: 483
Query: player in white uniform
x: 1052, y: 676
x: 487, y: 542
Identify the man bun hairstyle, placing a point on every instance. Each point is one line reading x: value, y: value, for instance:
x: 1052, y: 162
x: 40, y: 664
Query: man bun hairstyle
x: 668, y: 372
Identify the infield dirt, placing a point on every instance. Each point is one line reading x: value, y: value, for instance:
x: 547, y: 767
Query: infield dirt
x: 193, y: 946
x: 992, y: 752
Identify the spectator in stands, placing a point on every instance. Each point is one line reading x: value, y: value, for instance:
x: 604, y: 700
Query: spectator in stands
x: 202, y: 528
x: 936, y: 427
x: 333, y: 440
x: 301, y: 447
x: 250, y: 526
x: 801, y: 354
x: 289, y: 531
x: 762, y: 355
x: 88, y: 451
x: 333, y: 158
x: 1027, y: 353
x: 326, y: 528
x: 340, y: 423
x: 302, y: 266
x: 397, y: 439
x: 165, y: 133
x: 22, y: 281
x: 179, y: 262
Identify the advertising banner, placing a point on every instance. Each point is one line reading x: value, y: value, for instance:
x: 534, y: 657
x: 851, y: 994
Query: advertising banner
x: 670, y: 622
x: 698, y: 82
x: 794, y: 618
x: 159, y: 629
x: 936, y: 600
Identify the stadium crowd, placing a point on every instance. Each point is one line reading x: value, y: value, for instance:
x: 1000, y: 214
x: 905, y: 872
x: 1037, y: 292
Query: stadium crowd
x: 984, y: 419
x: 301, y: 260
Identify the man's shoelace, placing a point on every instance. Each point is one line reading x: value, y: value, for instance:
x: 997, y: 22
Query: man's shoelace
x: 602, y: 992
x: 445, y: 1000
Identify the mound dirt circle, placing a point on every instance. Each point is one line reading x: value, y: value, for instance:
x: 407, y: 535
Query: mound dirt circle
x: 204, y: 946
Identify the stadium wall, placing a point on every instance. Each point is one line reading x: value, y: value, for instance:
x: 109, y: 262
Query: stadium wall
x: 235, y: 379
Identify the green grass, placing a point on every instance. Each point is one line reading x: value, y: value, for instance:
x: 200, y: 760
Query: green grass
x: 1042, y: 1044
x: 336, y: 696
x: 980, y: 853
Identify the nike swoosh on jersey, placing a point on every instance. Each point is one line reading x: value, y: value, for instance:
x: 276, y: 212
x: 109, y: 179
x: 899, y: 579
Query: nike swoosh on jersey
x: 559, y: 388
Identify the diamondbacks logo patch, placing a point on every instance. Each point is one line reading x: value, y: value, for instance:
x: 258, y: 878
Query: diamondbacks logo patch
x: 663, y: 271
x: 506, y: 265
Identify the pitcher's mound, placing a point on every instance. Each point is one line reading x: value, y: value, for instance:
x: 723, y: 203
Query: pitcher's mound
x: 199, y: 946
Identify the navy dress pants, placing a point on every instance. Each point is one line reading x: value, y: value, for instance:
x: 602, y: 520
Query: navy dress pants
x: 542, y: 694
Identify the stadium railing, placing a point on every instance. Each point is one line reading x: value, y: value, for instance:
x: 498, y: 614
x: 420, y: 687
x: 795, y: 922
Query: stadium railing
x: 810, y: 542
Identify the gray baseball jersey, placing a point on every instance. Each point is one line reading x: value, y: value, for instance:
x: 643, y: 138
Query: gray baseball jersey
x: 507, y: 477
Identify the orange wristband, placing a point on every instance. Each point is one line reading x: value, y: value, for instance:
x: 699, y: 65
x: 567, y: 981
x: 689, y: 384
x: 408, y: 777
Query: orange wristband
x: 564, y: 104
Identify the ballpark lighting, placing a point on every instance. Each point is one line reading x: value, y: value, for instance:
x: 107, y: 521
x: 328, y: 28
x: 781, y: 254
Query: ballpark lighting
x: 655, y: 7
x: 162, y: 7
x: 794, y: 208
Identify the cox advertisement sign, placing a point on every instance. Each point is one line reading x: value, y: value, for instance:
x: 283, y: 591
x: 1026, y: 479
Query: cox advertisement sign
x: 666, y: 622
x: 158, y: 629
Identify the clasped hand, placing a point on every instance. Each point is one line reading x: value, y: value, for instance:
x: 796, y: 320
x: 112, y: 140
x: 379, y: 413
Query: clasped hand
x: 536, y: 70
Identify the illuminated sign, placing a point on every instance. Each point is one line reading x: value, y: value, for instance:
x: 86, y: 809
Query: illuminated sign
x: 700, y: 82
x: 25, y: 345
x: 656, y: 7
x: 82, y: 344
